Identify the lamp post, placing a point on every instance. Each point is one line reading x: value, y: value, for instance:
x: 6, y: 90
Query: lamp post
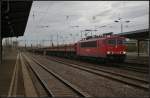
x: 121, y: 21
x: 81, y: 34
x: 51, y: 40
x: 71, y: 36
x: 57, y: 39
x: 25, y: 44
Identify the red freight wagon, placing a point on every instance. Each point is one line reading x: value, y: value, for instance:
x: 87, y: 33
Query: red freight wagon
x: 62, y: 50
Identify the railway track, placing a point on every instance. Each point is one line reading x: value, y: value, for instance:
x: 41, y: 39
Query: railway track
x: 56, y: 86
x: 127, y: 66
x: 103, y: 68
x: 41, y: 90
x: 135, y: 67
x: 130, y: 66
x: 129, y: 80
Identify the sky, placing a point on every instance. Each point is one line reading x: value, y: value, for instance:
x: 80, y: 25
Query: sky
x: 62, y: 22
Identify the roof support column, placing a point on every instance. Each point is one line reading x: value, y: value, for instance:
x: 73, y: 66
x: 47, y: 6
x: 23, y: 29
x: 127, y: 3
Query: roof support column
x: 0, y: 49
x: 138, y: 44
x: 0, y: 35
x: 148, y: 48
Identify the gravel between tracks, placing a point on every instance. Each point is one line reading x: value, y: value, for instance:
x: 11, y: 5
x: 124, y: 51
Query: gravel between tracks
x: 93, y: 84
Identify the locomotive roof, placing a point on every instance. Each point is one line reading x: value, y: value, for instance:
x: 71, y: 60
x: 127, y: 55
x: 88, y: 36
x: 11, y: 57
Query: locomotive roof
x: 100, y: 38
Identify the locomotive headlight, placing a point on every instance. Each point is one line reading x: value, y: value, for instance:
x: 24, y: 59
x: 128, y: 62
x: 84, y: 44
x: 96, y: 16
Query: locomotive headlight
x: 108, y: 52
x: 124, y: 52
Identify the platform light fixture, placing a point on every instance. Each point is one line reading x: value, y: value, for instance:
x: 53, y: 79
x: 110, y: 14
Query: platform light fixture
x: 120, y: 21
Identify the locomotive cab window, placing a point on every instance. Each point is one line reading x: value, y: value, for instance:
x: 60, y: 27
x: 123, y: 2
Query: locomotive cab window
x: 111, y: 41
x: 88, y: 44
x: 116, y: 41
x: 120, y: 41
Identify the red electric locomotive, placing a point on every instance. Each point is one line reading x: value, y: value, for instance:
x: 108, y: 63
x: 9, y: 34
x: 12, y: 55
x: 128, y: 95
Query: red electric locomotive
x: 110, y: 47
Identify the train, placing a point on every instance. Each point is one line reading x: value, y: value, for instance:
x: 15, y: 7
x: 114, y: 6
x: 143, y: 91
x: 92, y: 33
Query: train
x: 103, y: 48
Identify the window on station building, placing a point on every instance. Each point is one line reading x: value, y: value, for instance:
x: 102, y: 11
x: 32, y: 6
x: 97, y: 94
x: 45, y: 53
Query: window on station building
x: 88, y: 44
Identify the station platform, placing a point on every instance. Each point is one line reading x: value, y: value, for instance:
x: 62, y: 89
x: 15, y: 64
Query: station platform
x: 133, y: 57
x: 6, y: 70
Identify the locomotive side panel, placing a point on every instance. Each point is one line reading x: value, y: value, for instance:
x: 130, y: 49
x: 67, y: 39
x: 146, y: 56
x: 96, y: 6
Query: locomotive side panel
x: 102, y: 48
x: 89, y: 48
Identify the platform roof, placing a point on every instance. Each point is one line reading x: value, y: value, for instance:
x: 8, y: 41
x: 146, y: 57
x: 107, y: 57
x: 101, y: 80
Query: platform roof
x: 14, y: 17
x: 138, y: 34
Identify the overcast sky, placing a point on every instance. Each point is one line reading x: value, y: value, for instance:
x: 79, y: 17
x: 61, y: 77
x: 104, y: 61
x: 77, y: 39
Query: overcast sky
x: 69, y: 18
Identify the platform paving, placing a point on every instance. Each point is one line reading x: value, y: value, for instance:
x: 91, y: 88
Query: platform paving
x: 6, y: 70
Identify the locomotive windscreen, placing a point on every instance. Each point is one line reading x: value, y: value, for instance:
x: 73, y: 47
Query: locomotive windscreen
x: 120, y: 41
x: 116, y: 41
